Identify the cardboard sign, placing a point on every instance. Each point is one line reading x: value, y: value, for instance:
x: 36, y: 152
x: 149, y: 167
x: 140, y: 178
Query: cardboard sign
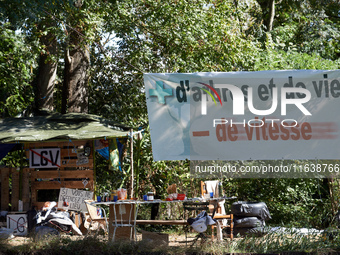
x: 73, y: 199
x: 45, y: 158
x: 18, y: 223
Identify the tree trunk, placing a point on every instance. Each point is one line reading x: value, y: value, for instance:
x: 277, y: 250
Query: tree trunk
x: 45, y: 84
x: 333, y: 195
x: 45, y: 79
x: 75, y: 89
x: 268, y: 12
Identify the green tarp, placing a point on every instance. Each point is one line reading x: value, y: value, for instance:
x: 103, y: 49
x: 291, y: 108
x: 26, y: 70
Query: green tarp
x: 72, y: 126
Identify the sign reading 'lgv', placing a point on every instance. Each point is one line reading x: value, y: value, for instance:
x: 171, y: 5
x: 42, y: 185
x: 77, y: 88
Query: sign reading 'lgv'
x: 45, y: 158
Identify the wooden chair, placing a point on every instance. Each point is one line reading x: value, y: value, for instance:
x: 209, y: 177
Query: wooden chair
x: 94, y: 217
x: 230, y: 224
x: 218, y: 212
x: 205, y: 194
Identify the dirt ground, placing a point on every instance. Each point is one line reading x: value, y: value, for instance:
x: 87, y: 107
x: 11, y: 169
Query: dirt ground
x: 174, y: 239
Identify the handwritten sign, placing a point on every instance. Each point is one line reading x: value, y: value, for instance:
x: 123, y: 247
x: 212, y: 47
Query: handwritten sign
x: 73, y: 199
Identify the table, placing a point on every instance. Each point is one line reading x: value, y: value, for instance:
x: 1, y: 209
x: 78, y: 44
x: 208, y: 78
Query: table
x: 123, y: 214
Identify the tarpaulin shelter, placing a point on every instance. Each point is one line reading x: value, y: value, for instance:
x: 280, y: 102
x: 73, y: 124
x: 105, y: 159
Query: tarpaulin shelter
x: 50, y: 138
x: 74, y: 126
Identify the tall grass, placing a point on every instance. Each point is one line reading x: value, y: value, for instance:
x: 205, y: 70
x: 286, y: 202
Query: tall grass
x: 288, y: 242
x: 277, y: 243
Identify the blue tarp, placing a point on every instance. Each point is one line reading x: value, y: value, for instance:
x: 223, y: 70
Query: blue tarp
x: 4, y: 149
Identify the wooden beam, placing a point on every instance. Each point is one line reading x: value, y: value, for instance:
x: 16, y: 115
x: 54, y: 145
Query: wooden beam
x: 155, y: 222
x: 66, y: 151
x: 15, y: 189
x: 76, y: 163
x: 26, y: 189
x: 63, y: 184
x: 61, y: 144
x: 80, y: 174
x: 4, y: 188
x: 132, y: 169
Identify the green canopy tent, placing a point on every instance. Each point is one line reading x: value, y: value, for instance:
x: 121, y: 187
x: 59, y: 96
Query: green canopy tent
x: 74, y: 126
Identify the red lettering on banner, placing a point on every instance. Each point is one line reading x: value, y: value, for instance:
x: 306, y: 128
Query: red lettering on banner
x: 264, y: 131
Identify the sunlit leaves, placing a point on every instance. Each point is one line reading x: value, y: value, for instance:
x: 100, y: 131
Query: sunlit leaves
x: 16, y: 63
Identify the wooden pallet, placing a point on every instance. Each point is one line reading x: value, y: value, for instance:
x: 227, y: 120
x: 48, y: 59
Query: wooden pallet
x: 71, y: 173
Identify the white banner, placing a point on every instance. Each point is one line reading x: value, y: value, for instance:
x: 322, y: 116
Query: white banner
x: 244, y: 115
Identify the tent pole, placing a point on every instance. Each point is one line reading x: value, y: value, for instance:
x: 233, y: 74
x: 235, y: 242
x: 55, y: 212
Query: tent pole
x: 132, y: 170
x: 94, y: 171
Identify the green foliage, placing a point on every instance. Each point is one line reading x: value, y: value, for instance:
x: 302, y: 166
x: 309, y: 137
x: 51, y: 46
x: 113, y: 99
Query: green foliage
x: 106, y: 178
x: 275, y: 58
x: 312, y: 27
x: 293, y: 202
x: 16, y: 65
x: 158, y: 36
x: 158, y: 175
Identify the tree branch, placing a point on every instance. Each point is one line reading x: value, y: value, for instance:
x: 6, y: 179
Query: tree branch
x: 272, y: 15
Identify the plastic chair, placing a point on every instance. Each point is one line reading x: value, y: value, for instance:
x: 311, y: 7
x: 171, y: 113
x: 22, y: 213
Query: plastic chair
x: 94, y: 217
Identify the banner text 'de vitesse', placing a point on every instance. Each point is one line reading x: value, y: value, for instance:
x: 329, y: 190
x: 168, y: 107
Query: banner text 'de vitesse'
x: 253, y: 110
